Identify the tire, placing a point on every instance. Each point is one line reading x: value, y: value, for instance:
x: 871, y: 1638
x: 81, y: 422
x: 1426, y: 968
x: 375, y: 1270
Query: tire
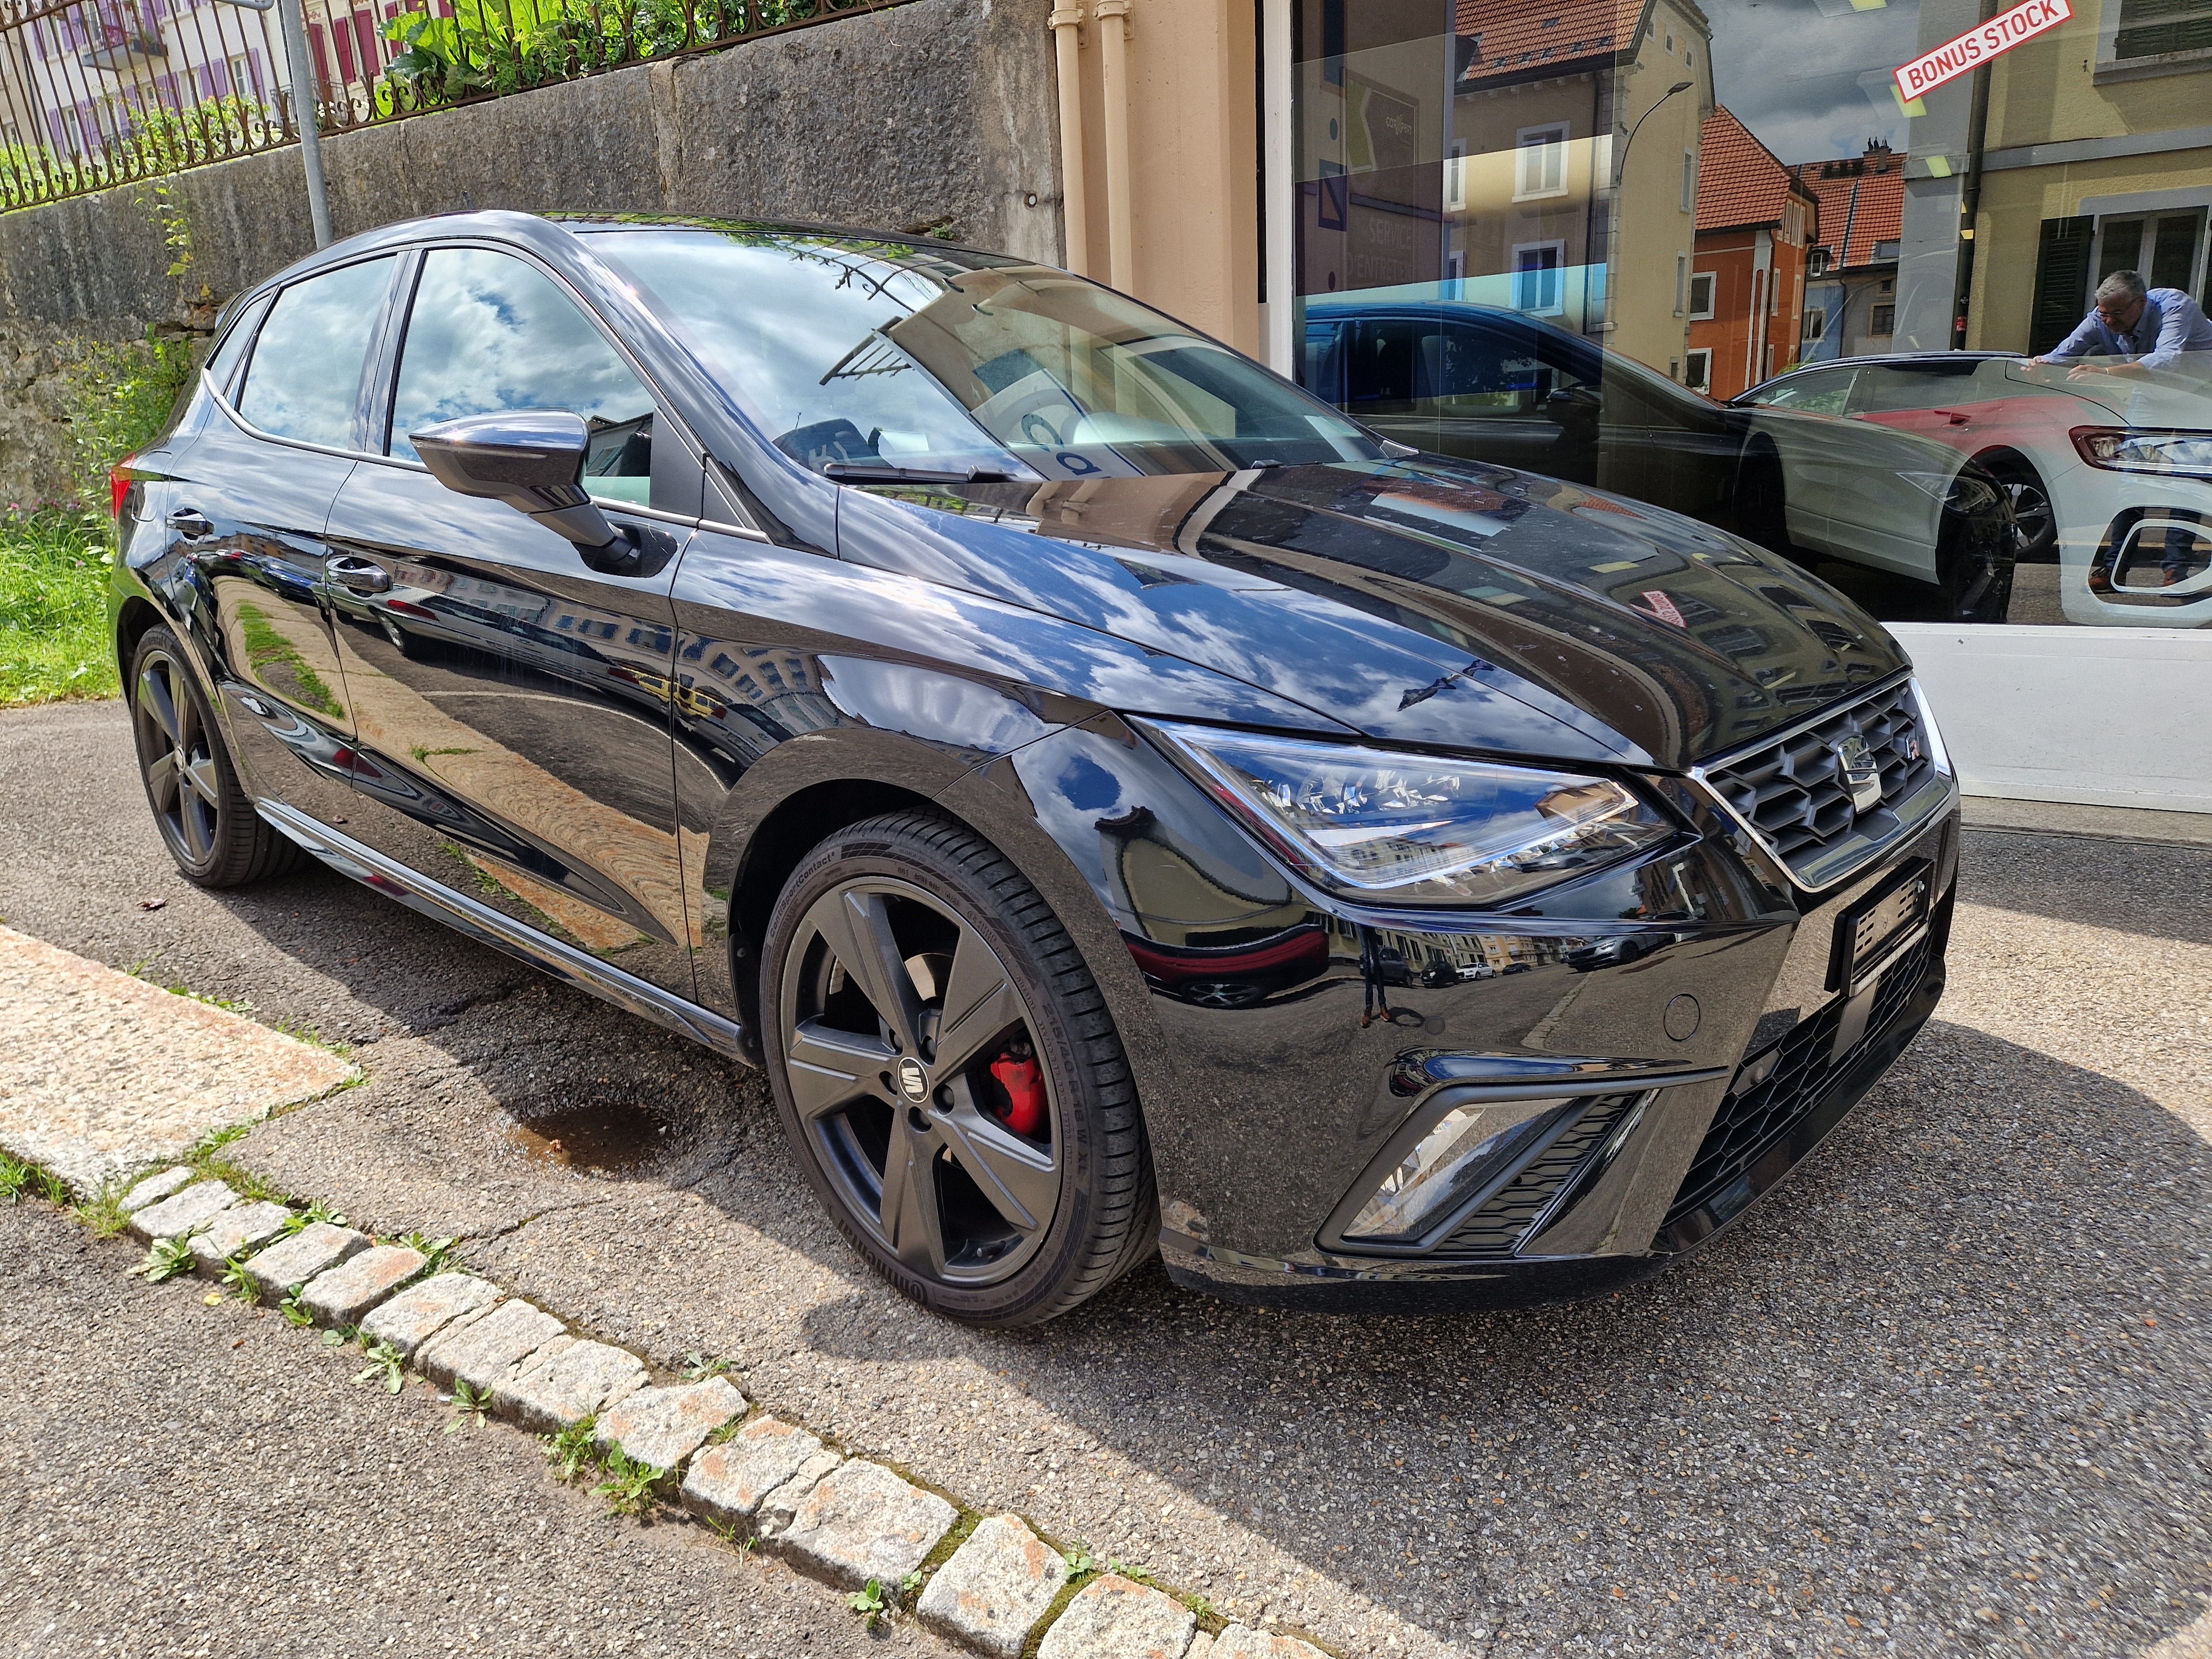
x: 1762, y: 503
x: 205, y: 819
x: 1974, y: 560
x: 2035, y: 521
x: 1016, y: 1218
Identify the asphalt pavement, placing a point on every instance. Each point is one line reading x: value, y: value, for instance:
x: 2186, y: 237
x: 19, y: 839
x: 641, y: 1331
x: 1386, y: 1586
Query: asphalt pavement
x: 1947, y: 1392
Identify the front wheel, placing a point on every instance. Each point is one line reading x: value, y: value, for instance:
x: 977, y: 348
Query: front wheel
x: 948, y: 1074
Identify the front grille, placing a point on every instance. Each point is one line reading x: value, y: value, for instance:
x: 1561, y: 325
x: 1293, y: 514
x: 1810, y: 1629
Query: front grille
x: 1792, y: 791
x: 1750, y: 1122
x: 1506, y: 1217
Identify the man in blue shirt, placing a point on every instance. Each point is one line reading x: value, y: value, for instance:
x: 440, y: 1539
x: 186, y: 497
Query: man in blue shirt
x: 2150, y: 327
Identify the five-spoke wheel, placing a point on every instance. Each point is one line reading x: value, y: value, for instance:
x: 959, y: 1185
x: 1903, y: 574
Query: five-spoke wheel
x: 210, y: 826
x: 948, y: 1076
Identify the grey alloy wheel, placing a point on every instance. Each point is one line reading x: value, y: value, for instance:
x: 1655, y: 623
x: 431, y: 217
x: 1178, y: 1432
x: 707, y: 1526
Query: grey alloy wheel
x: 896, y: 1010
x: 177, y: 749
x: 950, y: 1075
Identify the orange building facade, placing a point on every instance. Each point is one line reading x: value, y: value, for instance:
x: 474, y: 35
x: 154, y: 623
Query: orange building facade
x: 1757, y: 222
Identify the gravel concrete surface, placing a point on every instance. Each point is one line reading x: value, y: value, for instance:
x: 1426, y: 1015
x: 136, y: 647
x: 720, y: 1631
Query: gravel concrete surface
x: 177, y: 1478
x: 1945, y: 1392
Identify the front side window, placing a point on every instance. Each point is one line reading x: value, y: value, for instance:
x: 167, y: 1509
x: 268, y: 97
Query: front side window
x: 304, y: 379
x: 489, y: 332
x: 881, y: 354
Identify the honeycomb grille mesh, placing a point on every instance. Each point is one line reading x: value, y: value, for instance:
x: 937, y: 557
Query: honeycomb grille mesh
x: 1750, y: 1121
x: 1793, y: 791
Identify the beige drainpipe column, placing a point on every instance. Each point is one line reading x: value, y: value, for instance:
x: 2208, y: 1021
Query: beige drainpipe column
x: 1075, y: 196
x: 1112, y: 17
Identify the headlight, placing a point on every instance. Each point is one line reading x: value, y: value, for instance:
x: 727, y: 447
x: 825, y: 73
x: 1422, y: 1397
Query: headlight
x: 2145, y: 449
x: 1397, y: 828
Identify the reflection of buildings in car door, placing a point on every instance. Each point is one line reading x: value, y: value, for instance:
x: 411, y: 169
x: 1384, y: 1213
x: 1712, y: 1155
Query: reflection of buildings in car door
x: 2095, y: 159
x: 1850, y: 295
x: 1544, y: 101
x: 1746, y: 292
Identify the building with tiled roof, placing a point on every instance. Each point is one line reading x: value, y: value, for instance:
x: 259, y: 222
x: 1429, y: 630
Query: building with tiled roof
x: 1755, y: 229
x: 1851, y: 303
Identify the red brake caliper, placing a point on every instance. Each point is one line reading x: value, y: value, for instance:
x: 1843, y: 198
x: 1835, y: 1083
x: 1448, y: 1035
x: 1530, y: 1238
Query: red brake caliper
x: 1017, y: 1072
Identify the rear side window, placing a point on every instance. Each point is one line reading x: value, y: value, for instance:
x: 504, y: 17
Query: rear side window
x: 304, y: 379
x: 223, y: 367
x: 488, y: 333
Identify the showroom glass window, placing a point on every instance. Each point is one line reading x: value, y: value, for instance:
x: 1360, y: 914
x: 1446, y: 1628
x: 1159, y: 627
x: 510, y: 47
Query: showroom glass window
x: 489, y: 332
x: 1643, y: 249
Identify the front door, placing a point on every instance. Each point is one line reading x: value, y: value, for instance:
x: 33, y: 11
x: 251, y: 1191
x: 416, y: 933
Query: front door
x: 248, y: 512
x: 511, y: 703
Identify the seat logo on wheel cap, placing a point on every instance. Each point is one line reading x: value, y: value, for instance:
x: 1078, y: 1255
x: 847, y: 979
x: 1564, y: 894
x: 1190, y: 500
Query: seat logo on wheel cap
x: 913, y: 1081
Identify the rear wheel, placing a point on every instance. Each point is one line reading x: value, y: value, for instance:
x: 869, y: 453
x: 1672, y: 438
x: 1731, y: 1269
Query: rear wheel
x: 206, y: 820
x: 949, y: 1075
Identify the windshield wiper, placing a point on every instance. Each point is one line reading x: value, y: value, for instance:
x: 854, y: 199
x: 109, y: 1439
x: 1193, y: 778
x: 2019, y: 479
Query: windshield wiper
x: 885, y: 472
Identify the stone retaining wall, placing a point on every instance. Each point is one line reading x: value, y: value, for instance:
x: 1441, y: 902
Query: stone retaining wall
x: 941, y: 112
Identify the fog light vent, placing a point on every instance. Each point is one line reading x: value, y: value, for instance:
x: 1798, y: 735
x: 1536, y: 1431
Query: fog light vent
x: 1466, y: 1150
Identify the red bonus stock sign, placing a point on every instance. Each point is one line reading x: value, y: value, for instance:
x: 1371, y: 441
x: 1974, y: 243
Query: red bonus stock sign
x: 1977, y: 45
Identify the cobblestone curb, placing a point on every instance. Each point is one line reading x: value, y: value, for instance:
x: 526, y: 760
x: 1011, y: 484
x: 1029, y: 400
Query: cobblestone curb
x: 993, y: 1590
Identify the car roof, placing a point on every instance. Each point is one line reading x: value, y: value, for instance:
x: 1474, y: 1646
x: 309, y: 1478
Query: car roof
x: 1886, y: 359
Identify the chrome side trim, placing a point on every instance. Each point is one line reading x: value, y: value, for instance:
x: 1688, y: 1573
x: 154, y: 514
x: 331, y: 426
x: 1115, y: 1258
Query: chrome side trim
x: 488, y: 927
x: 1925, y: 805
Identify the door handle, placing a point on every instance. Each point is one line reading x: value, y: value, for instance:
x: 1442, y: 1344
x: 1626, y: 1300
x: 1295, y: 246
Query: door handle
x: 190, y: 522
x: 360, y: 576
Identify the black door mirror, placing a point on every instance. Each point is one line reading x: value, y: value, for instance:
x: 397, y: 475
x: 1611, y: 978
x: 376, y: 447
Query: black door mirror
x: 531, y: 460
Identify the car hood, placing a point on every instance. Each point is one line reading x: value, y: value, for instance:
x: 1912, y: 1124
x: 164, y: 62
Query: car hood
x: 1428, y: 602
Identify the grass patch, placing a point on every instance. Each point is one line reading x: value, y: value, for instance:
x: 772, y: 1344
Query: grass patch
x: 267, y: 649
x: 54, y: 607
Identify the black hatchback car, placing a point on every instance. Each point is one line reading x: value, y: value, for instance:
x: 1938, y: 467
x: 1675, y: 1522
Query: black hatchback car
x: 1123, y: 802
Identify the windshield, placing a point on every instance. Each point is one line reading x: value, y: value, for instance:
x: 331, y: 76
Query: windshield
x: 885, y: 354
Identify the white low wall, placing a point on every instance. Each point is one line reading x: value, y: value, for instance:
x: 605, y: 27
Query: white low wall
x: 2101, y: 716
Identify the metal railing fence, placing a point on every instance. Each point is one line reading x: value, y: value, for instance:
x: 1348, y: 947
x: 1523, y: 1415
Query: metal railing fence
x: 100, y: 93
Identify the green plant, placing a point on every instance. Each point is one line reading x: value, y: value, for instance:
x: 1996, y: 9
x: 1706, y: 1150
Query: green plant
x: 294, y: 1310
x: 319, y: 1211
x: 386, y: 1365
x: 469, y: 1402
x: 1141, y: 1575
x: 13, y: 1177
x: 167, y: 1258
x: 437, y: 1252
x: 1081, y: 1561
x: 574, y: 1449
x: 913, y: 1581
x: 697, y: 1368
x: 53, y: 607
x: 1199, y: 1605
x: 103, y: 1214
x: 118, y: 398
x: 339, y: 1335
x: 868, y: 1603
x: 51, y: 1188
x: 629, y: 1484
x: 241, y: 1283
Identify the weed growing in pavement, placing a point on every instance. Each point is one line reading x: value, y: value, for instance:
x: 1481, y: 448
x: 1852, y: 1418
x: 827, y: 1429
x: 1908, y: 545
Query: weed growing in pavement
x: 869, y: 1603
x: 1080, y: 1561
x: 103, y: 1216
x: 437, y: 1254
x: 338, y: 1335
x: 168, y: 1258
x: 51, y: 1188
x: 227, y: 1004
x: 301, y: 1220
x: 729, y: 1431
x: 238, y: 1282
x: 697, y: 1368
x: 913, y: 1581
x: 13, y: 1177
x: 1199, y: 1605
x: 386, y: 1365
x: 469, y: 1402
x: 629, y: 1484
x: 1139, y: 1575
x: 294, y: 1310
x: 574, y: 1449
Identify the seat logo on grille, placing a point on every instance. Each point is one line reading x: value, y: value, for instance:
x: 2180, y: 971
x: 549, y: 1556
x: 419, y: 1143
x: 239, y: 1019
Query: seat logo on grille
x: 1862, y: 775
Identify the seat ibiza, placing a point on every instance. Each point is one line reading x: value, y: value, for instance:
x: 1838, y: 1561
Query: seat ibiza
x: 1123, y: 804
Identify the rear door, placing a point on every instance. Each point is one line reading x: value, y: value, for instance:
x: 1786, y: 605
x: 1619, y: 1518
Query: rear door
x: 511, y: 702
x: 248, y: 513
